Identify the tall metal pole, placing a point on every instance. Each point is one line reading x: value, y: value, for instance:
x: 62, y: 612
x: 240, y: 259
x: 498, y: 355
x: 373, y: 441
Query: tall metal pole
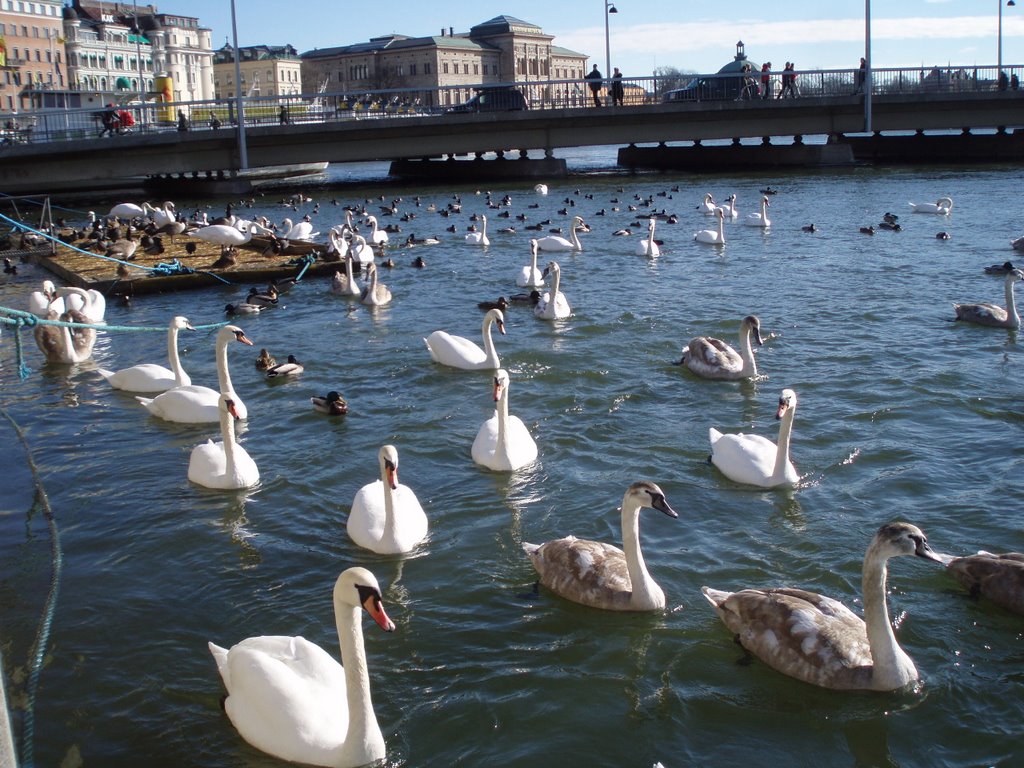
x: 607, y: 41
x: 999, y: 43
x: 867, y: 66
x: 138, y: 52
x: 243, y: 152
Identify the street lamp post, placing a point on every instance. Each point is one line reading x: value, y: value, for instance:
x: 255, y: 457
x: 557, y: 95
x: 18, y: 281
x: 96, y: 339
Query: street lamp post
x: 609, y: 8
x: 999, y: 42
x: 138, y: 51
x: 243, y: 151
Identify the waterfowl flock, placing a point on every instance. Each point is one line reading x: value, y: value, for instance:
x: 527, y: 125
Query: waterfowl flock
x: 282, y: 691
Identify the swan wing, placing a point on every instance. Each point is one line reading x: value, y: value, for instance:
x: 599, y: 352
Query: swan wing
x: 712, y: 358
x: 588, y: 572
x: 190, y: 405
x: 743, y: 458
x: 982, y: 314
x: 365, y: 524
x: 455, y: 351
x: 147, y: 377
x: 999, y: 578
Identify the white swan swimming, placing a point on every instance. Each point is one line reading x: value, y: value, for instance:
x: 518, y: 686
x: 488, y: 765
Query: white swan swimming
x: 150, y: 377
x: 375, y: 294
x: 714, y: 359
x: 42, y: 301
x: 999, y: 578
x: 291, y: 699
x: 990, y: 314
x: 713, y: 236
x: 386, y: 516
x: 599, y: 575
x: 648, y: 247
x: 756, y: 460
x: 60, y: 344
x: 196, y: 404
x: 540, y: 189
x: 503, y: 443
x: 942, y: 206
x: 361, y: 252
x: 377, y: 235
x: 338, y: 238
x: 819, y: 640
x: 346, y: 285
x: 728, y: 208
x: 707, y: 206
x: 225, y: 465
x: 553, y: 305
x: 90, y: 303
x: 460, y: 352
x: 759, y: 219
x: 529, y: 276
x: 559, y: 243
x: 480, y: 237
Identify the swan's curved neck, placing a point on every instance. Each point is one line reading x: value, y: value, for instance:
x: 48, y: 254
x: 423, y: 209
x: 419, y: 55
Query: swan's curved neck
x: 575, y: 239
x: 388, y: 533
x: 645, y: 591
x: 223, y: 376
x: 363, y: 732
x: 489, y: 350
x: 650, y: 238
x: 348, y: 268
x: 747, y: 352
x: 227, y: 431
x: 890, y: 665
x: 1011, y: 305
x: 502, y: 443
x: 556, y: 281
x: 721, y: 229
x: 533, y: 261
x: 782, y: 454
x: 172, y: 356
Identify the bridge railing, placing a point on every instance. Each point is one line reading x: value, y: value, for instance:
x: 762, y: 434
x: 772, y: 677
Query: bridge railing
x: 394, y: 103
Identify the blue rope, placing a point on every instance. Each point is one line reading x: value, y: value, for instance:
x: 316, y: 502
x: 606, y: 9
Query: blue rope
x: 35, y: 664
x: 306, y: 261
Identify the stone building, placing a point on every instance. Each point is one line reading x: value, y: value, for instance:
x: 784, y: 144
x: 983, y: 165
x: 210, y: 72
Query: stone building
x: 267, y: 70
x: 448, y: 67
x: 31, y: 51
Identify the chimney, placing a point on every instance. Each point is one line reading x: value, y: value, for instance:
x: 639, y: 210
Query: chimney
x: 442, y: 31
x: 451, y: 31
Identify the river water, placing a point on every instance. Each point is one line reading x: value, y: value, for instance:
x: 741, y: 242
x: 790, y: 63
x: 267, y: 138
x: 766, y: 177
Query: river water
x: 902, y: 415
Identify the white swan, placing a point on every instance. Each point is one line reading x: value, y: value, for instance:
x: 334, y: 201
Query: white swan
x: 129, y: 210
x: 707, y: 206
x: 90, y: 303
x: 291, y: 699
x: 942, y: 206
x: 999, y: 578
x: 196, y: 404
x: 360, y: 251
x: 386, y: 516
x: 224, y: 465
x: 559, y: 243
x: 759, y: 219
x: 714, y: 359
x: 540, y: 189
x: 553, y: 305
x: 346, y: 285
x: 819, y: 640
x: 223, y: 235
x: 41, y: 302
x: 150, y: 377
x: 990, y: 314
x: 302, y: 230
x: 599, y: 575
x: 756, y: 460
x: 529, y: 276
x: 713, y: 236
x: 503, y: 442
x: 460, y: 352
x: 480, y: 237
x: 338, y: 239
x: 375, y: 294
x: 648, y: 247
x: 728, y: 208
x: 163, y: 216
x: 377, y: 236
x: 60, y: 344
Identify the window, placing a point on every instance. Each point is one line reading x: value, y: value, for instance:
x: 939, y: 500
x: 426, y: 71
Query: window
x: 465, y: 68
x: 476, y: 68
x: 412, y: 70
x: 426, y: 69
x: 443, y: 65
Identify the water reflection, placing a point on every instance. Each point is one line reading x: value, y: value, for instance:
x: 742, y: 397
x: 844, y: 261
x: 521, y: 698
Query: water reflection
x: 868, y: 741
x: 236, y: 524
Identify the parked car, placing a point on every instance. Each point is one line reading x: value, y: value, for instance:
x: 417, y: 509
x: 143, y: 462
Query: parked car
x: 493, y: 100
x: 706, y: 89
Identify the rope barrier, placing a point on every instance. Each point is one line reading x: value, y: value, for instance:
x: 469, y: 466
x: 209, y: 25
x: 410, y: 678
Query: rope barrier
x: 42, y: 638
x: 40, y: 203
x: 306, y: 261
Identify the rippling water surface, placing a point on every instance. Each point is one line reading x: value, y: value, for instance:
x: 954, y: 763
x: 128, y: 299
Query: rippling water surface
x: 902, y: 415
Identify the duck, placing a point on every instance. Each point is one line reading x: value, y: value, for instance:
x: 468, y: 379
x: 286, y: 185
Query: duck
x: 892, y: 226
x: 600, y: 575
x: 533, y: 297
x: 268, y: 299
x: 291, y: 368
x: 503, y: 443
x: 990, y: 314
x: 529, y: 276
x: 942, y: 236
x: 375, y: 294
x: 759, y: 219
x: 1000, y: 269
x: 243, y: 308
x: 867, y: 230
x: 756, y: 460
x: 480, y: 237
x: 332, y: 403
x: 712, y: 236
x: 809, y: 228
x: 346, y: 284
x: 196, y: 404
x: 289, y: 698
x: 150, y: 377
x: 501, y: 303
x: 460, y: 352
x: 559, y: 243
x: 714, y: 359
x: 10, y: 268
x: 225, y: 465
x: 942, y: 207
x: 265, y: 361
x: 553, y: 304
x: 708, y: 206
x: 997, y: 578
x: 418, y: 263
x: 386, y: 516
x: 818, y: 639
x: 648, y: 247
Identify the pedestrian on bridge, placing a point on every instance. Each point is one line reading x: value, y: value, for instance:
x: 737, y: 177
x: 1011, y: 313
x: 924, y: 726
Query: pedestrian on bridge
x: 595, y: 78
x: 788, y: 81
x: 618, y: 92
x: 766, y: 80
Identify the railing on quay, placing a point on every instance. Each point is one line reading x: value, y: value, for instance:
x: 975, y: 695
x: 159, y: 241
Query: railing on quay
x: 54, y: 125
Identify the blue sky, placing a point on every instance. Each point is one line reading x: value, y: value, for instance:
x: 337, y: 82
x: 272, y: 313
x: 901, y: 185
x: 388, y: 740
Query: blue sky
x: 646, y: 34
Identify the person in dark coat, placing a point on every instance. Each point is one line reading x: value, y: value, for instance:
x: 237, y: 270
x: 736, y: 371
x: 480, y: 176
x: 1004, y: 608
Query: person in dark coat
x: 595, y: 78
x: 618, y: 92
